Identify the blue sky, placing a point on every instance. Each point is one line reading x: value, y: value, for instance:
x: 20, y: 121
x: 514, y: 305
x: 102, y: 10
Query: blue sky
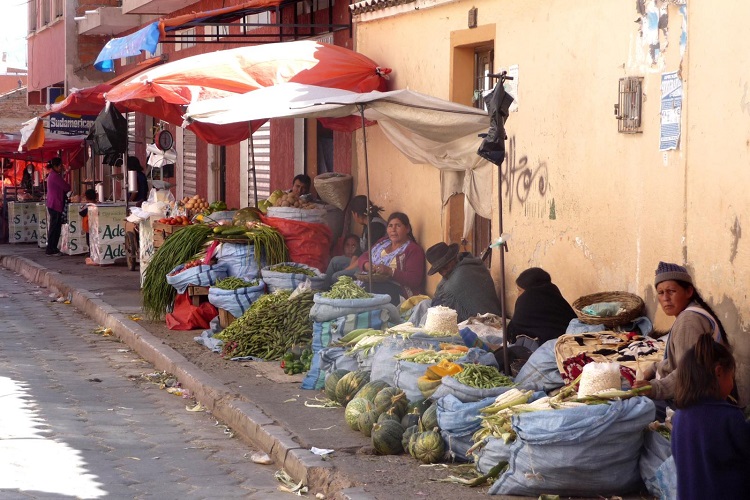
x: 13, y: 26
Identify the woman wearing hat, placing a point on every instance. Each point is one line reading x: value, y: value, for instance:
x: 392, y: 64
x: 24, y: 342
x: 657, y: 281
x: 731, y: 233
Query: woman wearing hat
x: 467, y: 286
x: 678, y: 297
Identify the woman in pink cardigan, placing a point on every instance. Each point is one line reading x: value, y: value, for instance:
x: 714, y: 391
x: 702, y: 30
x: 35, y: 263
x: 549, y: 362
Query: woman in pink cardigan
x: 398, y: 257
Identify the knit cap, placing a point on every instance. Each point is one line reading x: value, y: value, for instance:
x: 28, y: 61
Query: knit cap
x: 666, y: 271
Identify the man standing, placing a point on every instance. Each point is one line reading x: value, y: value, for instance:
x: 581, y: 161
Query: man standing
x: 467, y: 286
x: 57, y: 189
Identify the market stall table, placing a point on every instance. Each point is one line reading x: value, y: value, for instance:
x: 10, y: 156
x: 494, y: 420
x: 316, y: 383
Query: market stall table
x: 107, y: 233
x: 73, y: 235
x: 41, y: 224
x: 22, y: 222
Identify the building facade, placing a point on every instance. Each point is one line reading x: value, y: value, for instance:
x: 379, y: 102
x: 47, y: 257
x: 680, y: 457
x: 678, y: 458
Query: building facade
x: 628, y: 143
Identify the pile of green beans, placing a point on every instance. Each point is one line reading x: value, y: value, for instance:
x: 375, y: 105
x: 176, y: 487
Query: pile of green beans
x: 282, y: 268
x: 233, y: 283
x: 272, y: 325
x: 269, y: 242
x: 482, y: 377
x: 182, y: 246
x: 346, y: 288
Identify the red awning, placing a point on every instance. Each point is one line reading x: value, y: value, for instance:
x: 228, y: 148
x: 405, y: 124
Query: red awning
x: 72, y: 146
x: 164, y: 91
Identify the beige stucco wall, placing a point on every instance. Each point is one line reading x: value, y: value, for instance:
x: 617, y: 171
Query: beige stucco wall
x: 620, y: 205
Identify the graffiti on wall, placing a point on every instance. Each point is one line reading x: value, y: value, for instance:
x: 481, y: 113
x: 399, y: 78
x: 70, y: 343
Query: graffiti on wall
x: 520, y: 180
x: 653, y: 28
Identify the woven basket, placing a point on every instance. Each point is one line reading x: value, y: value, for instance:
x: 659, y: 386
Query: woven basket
x: 335, y: 189
x: 632, y: 304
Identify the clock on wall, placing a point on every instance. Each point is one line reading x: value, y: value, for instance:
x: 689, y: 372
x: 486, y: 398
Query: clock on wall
x: 164, y: 140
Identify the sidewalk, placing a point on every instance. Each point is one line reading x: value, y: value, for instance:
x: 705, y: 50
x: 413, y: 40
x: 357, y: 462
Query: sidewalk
x: 261, y: 404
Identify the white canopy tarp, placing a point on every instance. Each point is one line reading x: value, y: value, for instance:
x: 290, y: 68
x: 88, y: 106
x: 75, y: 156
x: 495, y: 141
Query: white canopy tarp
x: 426, y: 129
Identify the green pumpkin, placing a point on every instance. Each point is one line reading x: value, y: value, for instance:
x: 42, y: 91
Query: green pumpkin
x: 429, y: 417
x: 408, y: 433
x: 389, y: 415
x: 419, y: 404
x: 331, y: 380
x: 413, y: 442
x: 411, y: 418
x: 429, y: 447
x: 371, y: 389
x: 349, y: 385
x: 392, y: 397
x: 356, y: 407
x: 366, y: 420
x: 386, y: 437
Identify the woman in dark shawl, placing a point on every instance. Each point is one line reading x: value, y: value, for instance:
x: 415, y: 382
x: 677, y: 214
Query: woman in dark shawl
x: 541, y: 312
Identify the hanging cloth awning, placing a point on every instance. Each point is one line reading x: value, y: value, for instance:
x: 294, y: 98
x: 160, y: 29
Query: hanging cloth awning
x: 147, y: 38
x: 144, y: 40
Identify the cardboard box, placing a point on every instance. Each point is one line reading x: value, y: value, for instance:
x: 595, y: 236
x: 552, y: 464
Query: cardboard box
x: 163, y: 231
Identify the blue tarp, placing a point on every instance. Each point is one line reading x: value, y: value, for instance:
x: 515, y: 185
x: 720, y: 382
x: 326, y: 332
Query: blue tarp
x: 131, y: 45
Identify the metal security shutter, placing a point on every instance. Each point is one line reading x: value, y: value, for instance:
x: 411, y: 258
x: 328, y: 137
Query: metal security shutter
x: 131, y: 134
x: 262, y: 149
x: 189, y: 164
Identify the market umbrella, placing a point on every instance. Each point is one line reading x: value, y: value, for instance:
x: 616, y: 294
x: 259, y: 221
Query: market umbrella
x: 86, y: 101
x: 164, y: 91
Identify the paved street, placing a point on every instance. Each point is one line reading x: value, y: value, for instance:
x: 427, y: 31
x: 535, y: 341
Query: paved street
x: 77, y: 419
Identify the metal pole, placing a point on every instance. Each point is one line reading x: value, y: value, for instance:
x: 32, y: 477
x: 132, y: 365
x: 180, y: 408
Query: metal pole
x: 367, y: 194
x: 503, y: 248
x: 252, y: 161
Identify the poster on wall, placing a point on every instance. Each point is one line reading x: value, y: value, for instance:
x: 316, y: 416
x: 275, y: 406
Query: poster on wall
x: 671, y: 111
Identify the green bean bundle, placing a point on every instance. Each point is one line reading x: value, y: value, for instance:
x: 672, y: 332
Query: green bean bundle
x: 346, y: 288
x: 281, y: 268
x: 269, y: 242
x: 233, y: 283
x: 180, y: 247
x: 482, y: 377
x: 272, y: 325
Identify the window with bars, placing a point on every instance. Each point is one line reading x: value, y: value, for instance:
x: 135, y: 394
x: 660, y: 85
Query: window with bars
x: 215, y: 33
x: 261, y: 18
x: 629, y: 105
x: 188, y: 40
x: 59, y: 11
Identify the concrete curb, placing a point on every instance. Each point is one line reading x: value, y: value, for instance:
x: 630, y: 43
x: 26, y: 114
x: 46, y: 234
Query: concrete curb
x: 245, y: 418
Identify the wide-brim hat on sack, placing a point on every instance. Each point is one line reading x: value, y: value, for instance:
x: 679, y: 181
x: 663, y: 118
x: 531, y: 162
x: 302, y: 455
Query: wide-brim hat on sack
x: 439, y: 254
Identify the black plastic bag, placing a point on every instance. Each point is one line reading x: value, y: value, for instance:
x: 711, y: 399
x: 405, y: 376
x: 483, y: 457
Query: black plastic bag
x: 498, y: 104
x: 109, y: 133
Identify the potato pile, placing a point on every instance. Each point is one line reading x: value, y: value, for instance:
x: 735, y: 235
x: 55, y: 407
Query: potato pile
x: 292, y: 201
x: 195, y: 203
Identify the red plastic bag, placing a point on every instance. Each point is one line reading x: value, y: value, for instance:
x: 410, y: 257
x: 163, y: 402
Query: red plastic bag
x: 186, y: 316
x: 308, y: 243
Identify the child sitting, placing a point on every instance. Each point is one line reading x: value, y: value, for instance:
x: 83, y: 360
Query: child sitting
x: 710, y: 437
x: 344, y: 265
